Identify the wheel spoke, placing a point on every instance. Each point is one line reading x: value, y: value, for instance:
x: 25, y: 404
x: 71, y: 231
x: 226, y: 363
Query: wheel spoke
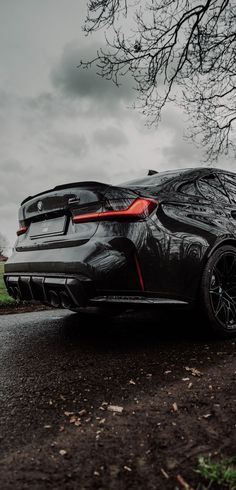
x: 227, y: 310
x: 216, y: 292
x: 231, y: 288
x: 233, y: 313
x: 219, y: 306
x: 232, y: 305
x: 214, y: 289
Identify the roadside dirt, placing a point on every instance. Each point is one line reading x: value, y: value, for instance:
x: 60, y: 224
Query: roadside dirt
x: 116, y: 406
x: 14, y: 308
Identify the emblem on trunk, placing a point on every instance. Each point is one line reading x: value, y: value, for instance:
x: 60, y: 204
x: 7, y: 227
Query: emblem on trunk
x: 73, y: 200
x: 40, y: 205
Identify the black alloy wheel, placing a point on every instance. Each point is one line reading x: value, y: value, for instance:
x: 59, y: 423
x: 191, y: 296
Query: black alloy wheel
x: 218, y: 290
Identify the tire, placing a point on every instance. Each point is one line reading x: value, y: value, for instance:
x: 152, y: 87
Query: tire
x: 218, y: 291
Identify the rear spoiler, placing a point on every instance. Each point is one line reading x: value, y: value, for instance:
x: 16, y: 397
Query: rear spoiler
x: 67, y: 186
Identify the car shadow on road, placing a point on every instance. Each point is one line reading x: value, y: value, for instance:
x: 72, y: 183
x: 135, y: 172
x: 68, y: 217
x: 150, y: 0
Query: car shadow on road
x: 145, y: 327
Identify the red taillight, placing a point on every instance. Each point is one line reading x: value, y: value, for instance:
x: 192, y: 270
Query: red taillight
x: 140, y: 208
x: 22, y: 230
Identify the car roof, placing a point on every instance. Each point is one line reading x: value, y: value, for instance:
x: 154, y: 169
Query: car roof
x: 160, y: 178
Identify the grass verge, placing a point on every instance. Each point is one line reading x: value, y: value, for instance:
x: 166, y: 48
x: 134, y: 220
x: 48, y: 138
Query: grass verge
x: 220, y: 475
x: 5, y: 299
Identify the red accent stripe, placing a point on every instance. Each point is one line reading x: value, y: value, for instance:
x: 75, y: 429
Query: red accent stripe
x: 138, y: 209
x: 140, y: 276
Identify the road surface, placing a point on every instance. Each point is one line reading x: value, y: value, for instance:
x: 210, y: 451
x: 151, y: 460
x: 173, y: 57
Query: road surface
x: 128, y: 403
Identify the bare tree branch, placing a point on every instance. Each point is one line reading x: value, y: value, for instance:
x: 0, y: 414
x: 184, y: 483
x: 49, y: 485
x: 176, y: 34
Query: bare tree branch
x: 175, y: 50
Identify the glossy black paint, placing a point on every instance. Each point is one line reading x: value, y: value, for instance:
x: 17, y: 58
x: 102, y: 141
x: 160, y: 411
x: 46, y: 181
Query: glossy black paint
x: 196, y: 213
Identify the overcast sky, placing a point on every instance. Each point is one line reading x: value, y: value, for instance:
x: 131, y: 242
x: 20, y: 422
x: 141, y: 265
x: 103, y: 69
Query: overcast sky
x: 59, y: 123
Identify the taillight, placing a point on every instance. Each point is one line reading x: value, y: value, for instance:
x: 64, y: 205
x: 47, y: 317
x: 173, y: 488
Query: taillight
x: 22, y: 230
x: 140, y: 208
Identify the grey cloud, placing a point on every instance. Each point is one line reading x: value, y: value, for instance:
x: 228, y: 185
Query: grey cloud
x: 11, y: 166
x: 98, y: 171
x: 12, y: 190
x: 4, y: 100
x: 85, y: 83
x: 52, y: 106
x: 173, y: 119
x: 110, y: 137
x: 181, y: 153
x: 69, y: 143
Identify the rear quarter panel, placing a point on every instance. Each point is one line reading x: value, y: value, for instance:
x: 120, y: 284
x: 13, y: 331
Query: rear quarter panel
x: 190, y: 231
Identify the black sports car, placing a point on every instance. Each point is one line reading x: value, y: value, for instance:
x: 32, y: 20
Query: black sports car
x: 169, y: 238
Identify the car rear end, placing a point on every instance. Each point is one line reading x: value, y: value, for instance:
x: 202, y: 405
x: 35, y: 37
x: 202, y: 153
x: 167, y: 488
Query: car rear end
x: 78, y: 242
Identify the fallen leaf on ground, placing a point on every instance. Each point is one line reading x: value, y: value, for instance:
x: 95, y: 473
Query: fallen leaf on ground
x: 194, y: 371
x: 82, y: 412
x: 75, y: 420
x: 115, y: 408
x: 62, y: 452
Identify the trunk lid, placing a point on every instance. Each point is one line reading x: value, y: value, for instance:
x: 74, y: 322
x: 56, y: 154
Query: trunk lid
x: 48, y: 216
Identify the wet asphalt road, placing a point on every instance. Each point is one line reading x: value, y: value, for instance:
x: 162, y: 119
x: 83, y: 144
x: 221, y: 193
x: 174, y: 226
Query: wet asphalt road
x: 55, y: 364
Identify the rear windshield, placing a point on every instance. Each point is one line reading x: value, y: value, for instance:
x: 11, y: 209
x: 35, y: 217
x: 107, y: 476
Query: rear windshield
x: 153, y: 180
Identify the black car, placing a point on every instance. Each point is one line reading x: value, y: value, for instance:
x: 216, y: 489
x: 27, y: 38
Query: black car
x: 168, y: 238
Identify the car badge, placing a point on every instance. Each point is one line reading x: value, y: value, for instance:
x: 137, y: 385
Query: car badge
x: 73, y: 200
x: 40, y: 205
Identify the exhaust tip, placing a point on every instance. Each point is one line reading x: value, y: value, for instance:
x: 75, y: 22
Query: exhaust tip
x: 65, y: 300
x: 16, y: 294
x: 11, y: 291
x: 54, y: 299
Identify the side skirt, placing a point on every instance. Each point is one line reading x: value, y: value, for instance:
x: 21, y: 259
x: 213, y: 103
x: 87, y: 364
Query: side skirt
x: 135, y: 300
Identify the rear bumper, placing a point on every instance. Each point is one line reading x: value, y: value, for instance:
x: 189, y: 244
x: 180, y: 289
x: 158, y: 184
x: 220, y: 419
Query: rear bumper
x: 71, y: 276
x: 57, y: 290
x: 75, y: 274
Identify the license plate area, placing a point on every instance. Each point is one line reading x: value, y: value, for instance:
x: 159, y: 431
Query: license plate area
x: 49, y: 227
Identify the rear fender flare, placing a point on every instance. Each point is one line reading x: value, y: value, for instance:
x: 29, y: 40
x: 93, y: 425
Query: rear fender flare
x: 220, y: 243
